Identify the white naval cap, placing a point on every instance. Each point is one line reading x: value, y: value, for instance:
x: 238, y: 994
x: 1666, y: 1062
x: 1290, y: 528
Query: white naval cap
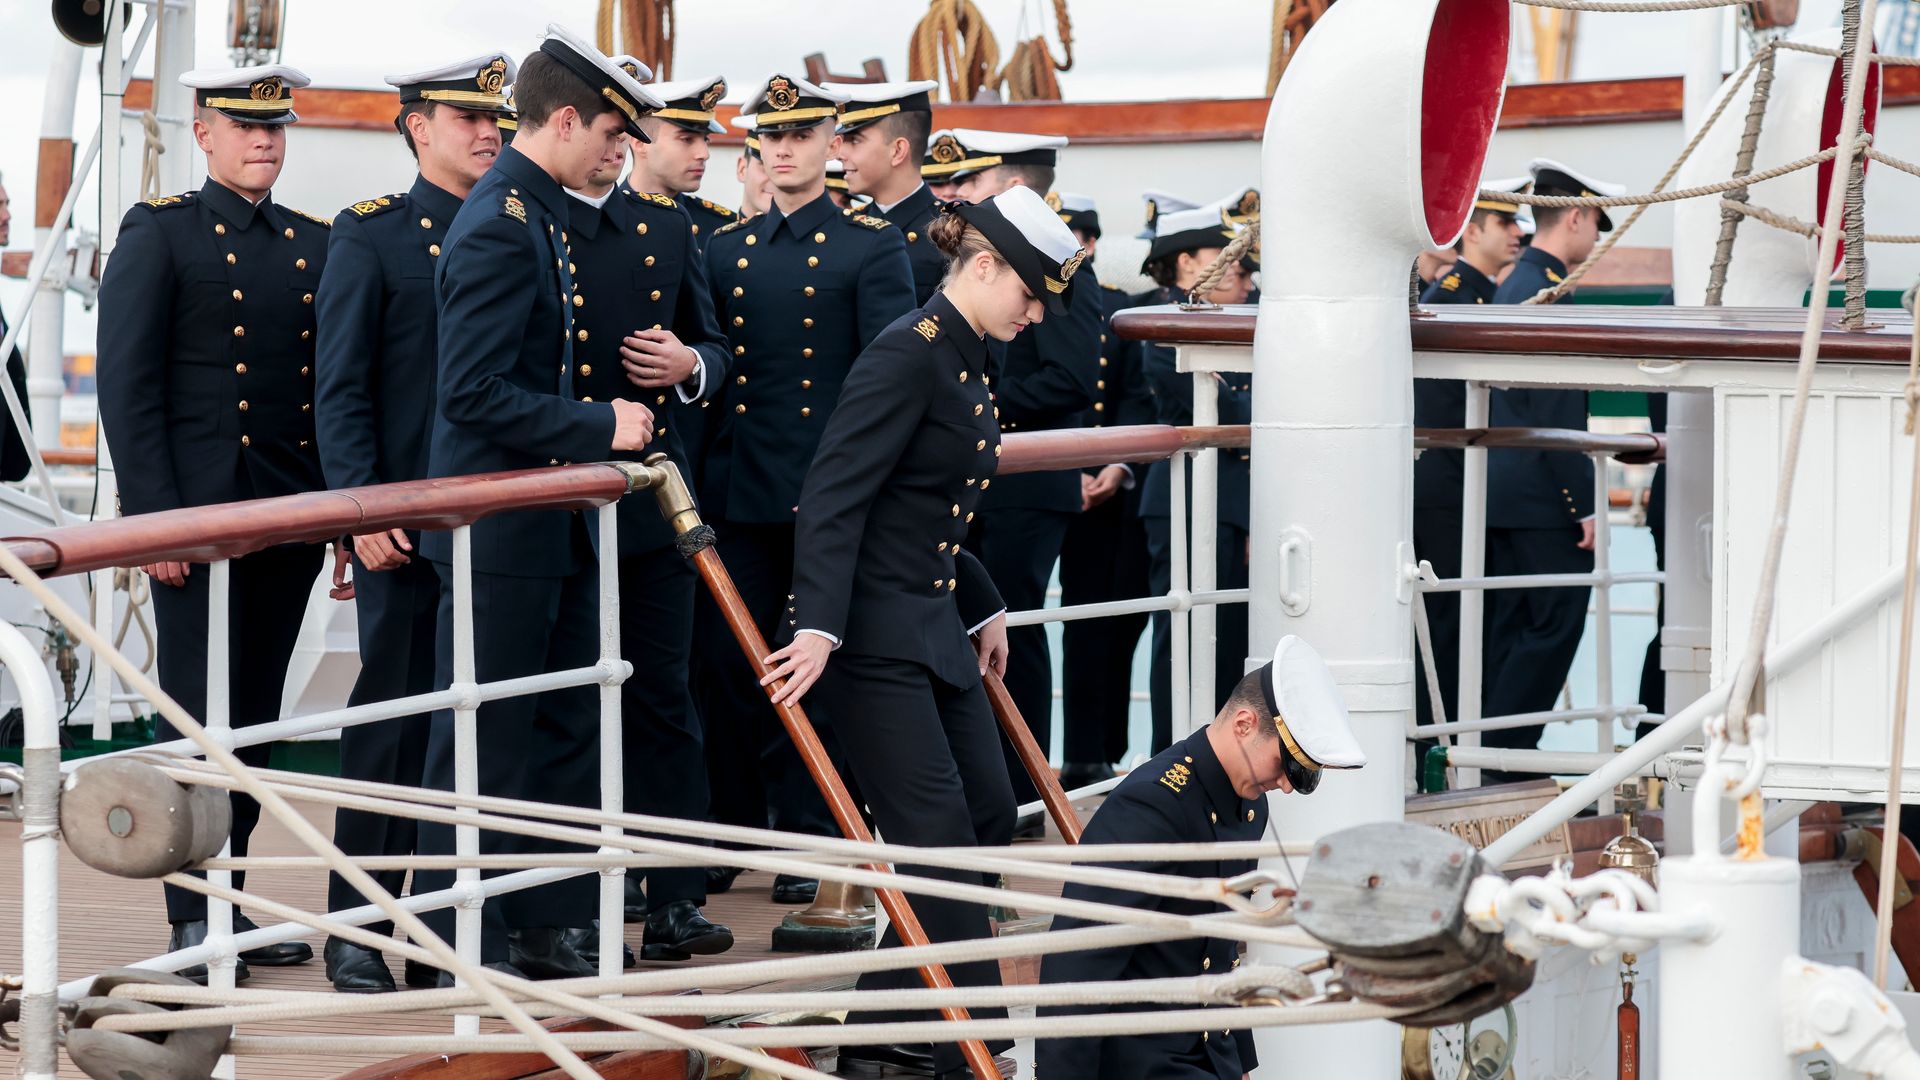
x: 836, y: 175
x: 262, y: 94
x: 868, y: 102
x: 690, y: 102
x: 1160, y: 202
x: 1308, y: 708
x: 1032, y: 239
x: 1076, y: 211
x: 784, y: 101
x: 601, y: 73
x: 1552, y: 178
x: 964, y: 151
x: 1191, y: 228
x: 478, y: 83
x: 1490, y: 190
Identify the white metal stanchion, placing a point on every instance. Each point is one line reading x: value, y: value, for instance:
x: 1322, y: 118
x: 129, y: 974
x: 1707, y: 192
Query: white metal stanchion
x: 466, y: 764
x: 613, y: 880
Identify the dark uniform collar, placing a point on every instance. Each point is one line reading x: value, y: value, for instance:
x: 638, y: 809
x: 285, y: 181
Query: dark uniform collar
x: 583, y: 217
x: 434, y: 202
x: 1474, y: 282
x: 532, y: 180
x: 802, y: 221
x: 1549, y: 263
x: 973, y: 347
x: 229, y: 205
x: 909, y: 208
x: 1197, y: 754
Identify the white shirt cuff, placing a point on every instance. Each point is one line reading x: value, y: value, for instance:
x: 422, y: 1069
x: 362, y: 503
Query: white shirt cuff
x: 834, y: 641
x: 1128, y: 483
x: 975, y: 628
x: 699, y: 381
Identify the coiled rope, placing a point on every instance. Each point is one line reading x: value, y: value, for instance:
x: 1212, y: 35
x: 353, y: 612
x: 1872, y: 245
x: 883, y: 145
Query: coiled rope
x: 953, y: 45
x: 646, y: 31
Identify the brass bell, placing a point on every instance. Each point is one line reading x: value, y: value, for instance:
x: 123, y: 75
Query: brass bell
x: 1630, y: 851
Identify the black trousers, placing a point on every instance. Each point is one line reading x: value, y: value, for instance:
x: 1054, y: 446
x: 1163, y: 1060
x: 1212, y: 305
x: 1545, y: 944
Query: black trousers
x: 749, y: 740
x: 926, y: 759
x: 1531, y: 634
x: 397, y: 610
x: 664, y: 763
x: 1230, y: 621
x: 1104, y: 558
x: 529, y: 747
x: 267, y: 598
x: 1436, y: 538
x: 1019, y: 546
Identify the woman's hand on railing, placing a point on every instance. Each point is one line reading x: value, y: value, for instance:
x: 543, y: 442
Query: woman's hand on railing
x: 800, y: 664
x: 990, y: 643
x: 632, y: 425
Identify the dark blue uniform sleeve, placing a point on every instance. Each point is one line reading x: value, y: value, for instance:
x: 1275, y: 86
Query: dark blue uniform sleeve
x: 976, y: 596
x: 347, y: 356
x: 482, y: 314
x: 1079, y: 1059
x: 136, y: 320
x: 1069, y: 354
x: 885, y: 289
x: 696, y: 324
x: 881, y: 405
x: 1173, y: 390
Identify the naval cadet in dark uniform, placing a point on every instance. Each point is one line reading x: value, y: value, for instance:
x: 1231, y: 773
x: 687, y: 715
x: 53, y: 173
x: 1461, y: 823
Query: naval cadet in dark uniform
x: 884, y: 128
x: 507, y: 400
x: 15, y: 462
x: 374, y: 375
x: 800, y: 290
x: 1489, y: 245
x: 938, y: 172
x: 646, y: 332
x: 1281, y: 728
x: 878, y: 616
x: 1104, y: 556
x: 206, y: 394
x: 1540, y: 510
x: 1184, y: 244
x: 1044, y: 379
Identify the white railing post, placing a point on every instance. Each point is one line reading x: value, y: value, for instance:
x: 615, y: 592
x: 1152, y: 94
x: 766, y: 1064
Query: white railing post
x: 466, y: 766
x: 613, y: 879
x: 40, y: 785
x: 1473, y: 564
x: 219, y: 721
x: 103, y: 680
x: 1206, y: 553
x: 1603, y: 616
x: 1177, y: 586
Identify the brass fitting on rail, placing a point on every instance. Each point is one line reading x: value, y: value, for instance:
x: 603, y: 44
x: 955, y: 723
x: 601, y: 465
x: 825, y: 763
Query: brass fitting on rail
x: 661, y: 476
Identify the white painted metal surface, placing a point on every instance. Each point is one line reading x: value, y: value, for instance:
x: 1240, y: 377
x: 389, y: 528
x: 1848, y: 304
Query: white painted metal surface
x: 1726, y: 992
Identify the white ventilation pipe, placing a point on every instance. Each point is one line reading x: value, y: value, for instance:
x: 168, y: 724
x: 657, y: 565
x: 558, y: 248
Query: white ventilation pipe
x: 1385, y: 112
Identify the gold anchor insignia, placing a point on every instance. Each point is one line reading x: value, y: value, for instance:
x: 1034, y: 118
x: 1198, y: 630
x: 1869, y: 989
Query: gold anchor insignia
x: 631, y: 68
x: 946, y: 150
x: 267, y: 89
x: 516, y: 208
x: 781, y: 95
x: 713, y: 95
x: 492, y: 78
x: 927, y: 328
x: 1249, y: 205
x: 1176, y: 778
x: 1072, y: 264
x: 1053, y: 201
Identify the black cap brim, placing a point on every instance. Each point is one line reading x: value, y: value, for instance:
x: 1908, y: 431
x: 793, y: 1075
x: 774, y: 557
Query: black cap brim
x: 1013, y: 248
x: 595, y: 79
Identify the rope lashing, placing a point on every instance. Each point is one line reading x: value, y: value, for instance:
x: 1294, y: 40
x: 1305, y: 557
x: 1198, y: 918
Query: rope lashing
x: 1217, y: 269
x: 1743, y: 164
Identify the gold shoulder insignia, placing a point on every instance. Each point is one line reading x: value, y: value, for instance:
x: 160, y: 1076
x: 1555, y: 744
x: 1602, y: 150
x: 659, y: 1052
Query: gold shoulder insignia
x: 657, y: 199
x: 718, y: 209
x: 515, y: 209
x: 1176, y: 778
x: 370, y: 207
x: 167, y: 200
x: 1555, y: 278
x: 1109, y: 287
x: 323, y: 222
x: 1450, y: 282
x: 874, y: 223
x: 730, y: 226
x: 927, y: 329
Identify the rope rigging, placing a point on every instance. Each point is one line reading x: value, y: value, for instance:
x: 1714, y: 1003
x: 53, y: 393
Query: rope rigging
x: 953, y: 45
x: 646, y: 30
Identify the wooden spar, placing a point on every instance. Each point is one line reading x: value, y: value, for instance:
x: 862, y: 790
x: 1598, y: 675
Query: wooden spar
x: 1031, y: 756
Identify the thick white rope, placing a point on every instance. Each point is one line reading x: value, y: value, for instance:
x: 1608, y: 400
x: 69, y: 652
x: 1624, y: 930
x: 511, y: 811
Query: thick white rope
x: 1789, y: 223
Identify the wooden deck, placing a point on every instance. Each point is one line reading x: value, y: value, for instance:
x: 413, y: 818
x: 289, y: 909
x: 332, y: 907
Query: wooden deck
x: 109, y: 922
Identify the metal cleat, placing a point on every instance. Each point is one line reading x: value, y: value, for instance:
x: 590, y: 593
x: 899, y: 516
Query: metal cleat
x: 181, y: 1054
x: 128, y: 818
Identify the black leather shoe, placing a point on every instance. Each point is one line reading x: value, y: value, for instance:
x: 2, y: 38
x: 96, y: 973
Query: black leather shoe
x: 419, y: 976
x: 720, y: 878
x: 194, y: 932
x: 898, y: 1059
x: 443, y: 980
x: 635, y: 900
x: 1080, y: 774
x: 285, y: 954
x: 355, y: 969
x: 542, y: 952
x: 679, y: 931
x: 586, y: 941
x: 788, y: 889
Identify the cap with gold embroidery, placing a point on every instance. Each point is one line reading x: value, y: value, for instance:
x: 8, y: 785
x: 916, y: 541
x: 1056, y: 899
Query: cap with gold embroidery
x: 690, y: 103
x: 1160, y: 202
x: 961, y: 152
x: 1309, y: 709
x: 1077, y: 211
x: 479, y: 84
x: 602, y: 75
x: 932, y: 169
x: 785, y: 101
x: 868, y: 102
x: 262, y: 94
x: 1032, y: 239
x: 1214, y: 225
x: 1490, y: 190
x: 1552, y: 178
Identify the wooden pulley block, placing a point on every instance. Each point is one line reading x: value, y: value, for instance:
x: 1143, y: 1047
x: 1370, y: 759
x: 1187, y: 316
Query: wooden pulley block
x: 1391, y: 890
x: 181, y: 1054
x: 128, y: 818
